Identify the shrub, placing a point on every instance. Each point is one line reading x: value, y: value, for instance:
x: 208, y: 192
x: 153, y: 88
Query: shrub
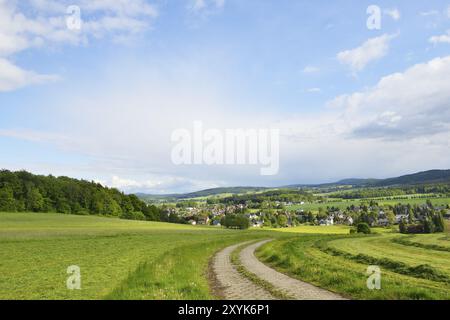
x: 242, y: 222
x: 267, y: 223
x: 133, y: 215
x: 363, y: 227
x: 282, y: 220
x: 414, y: 228
x: 235, y: 222
x: 403, y: 227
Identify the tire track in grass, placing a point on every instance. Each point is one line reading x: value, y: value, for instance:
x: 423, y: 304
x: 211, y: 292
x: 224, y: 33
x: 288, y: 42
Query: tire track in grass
x: 250, y: 279
x: 233, y: 285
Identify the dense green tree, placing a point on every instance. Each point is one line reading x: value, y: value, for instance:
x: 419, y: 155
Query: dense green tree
x: 235, y: 221
x: 282, y: 220
x: 133, y: 215
x: 363, y: 227
x: 152, y: 213
x: 390, y: 216
x: 23, y: 191
x: 111, y: 207
x: 438, y: 221
x: 7, y: 201
x: 267, y: 223
x: 34, y: 200
x: 428, y: 226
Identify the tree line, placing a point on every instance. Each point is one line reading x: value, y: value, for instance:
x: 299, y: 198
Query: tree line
x: 282, y: 195
x: 443, y: 189
x: 420, y: 219
x: 22, y: 191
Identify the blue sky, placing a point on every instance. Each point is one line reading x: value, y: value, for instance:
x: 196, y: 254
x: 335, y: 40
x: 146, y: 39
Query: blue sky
x: 100, y: 103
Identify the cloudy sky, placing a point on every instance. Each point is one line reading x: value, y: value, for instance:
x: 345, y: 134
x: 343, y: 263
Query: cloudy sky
x: 101, y: 102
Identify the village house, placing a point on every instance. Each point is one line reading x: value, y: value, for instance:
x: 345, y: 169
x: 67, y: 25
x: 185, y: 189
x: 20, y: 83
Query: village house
x: 400, y: 217
x: 327, y: 222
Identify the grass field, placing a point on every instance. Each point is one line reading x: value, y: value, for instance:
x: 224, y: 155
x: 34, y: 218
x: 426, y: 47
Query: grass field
x: 122, y: 259
x: 384, y: 247
x: 339, y: 263
x: 118, y: 258
x: 315, y: 229
x: 438, y: 239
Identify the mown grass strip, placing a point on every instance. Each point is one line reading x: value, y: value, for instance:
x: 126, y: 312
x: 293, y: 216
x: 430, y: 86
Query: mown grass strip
x: 300, y: 258
x: 406, y: 242
x: 236, y: 261
x: 423, y: 271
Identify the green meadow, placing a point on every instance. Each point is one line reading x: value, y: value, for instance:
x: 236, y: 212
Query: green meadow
x: 118, y: 258
x: 305, y: 229
x: 122, y: 259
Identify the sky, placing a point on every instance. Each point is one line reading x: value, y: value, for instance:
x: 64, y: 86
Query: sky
x: 100, y: 102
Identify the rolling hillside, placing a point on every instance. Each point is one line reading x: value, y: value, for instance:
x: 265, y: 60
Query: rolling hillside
x: 425, y: 177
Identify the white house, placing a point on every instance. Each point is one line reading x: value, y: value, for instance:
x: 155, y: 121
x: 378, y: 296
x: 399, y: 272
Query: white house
x: 350, y: 221
x: 327, y: 222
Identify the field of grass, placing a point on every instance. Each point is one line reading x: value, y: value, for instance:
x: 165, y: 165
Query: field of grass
x: 338, y: 229
x: 122, y: 259
x: 384, y: 248
x: 118, y: 258
x: 437, y: 239
x: 339, y: 263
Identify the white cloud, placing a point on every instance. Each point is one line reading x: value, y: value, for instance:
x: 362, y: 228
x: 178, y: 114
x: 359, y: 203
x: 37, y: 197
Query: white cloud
x: 125, y: 8
x: 429, y: 13
x: 205, y: 8
x: 156, y: 184
x: 437, y: 13
x: 412, y: 104
x: 198, y: 5
x: 393, y: 13
x: 399, y: 125
x: 13, y: 77
x: 445, y: 38
x: 313, y: 90
x: 124, y: 184
x: 311, y: 69
x: 42, y: 23
x: 371, y: 50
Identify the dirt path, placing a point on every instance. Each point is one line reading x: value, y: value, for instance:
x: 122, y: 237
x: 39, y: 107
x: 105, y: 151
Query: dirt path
x: 233, y: 285
x: 292, y: 287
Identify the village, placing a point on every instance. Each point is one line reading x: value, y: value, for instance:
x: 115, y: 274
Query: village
x: 281, y: 215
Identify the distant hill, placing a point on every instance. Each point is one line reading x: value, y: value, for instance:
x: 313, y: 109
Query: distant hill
x: 345, y: 182
x: 425, y: 177
x: 202, y: 193
x: 357, y: 182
